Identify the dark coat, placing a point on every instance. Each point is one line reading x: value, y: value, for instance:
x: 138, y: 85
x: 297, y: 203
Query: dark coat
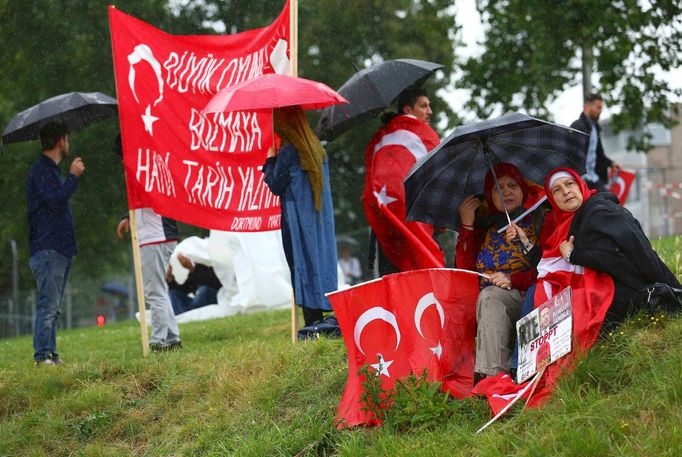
x: 603, y: 162
x: 307, y: 234
x: 609, y: 239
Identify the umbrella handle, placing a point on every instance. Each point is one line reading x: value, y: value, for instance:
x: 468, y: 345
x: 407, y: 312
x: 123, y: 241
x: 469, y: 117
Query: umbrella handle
x: 486, y: 154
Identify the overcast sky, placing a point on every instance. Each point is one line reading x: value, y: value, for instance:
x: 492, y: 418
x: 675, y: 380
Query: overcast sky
x: 567, y: 105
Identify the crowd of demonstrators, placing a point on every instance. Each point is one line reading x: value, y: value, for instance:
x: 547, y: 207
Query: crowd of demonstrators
x: 596, y: 163
x: 505, y: 264
x: 389, y: 156
x: 200, y: 288
x: 586, y: 229
x: 299, y: 174
x: 52, y: 240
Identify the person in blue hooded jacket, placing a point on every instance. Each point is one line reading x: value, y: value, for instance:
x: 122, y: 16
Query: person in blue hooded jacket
x: 299, y: 174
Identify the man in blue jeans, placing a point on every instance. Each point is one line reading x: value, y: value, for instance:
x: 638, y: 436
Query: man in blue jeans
x: 52, y: 242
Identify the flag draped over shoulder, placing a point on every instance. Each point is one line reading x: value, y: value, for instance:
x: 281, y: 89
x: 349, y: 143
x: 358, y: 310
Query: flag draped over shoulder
x: 591, y: 296
x: 200, y: 169
x: 389, y: 156
x: 406, y: 323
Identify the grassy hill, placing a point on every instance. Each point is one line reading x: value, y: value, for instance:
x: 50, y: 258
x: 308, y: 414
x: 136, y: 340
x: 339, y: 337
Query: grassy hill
x: 240, y: 387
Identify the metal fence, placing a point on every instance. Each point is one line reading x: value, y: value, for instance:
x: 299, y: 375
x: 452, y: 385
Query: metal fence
x: 84, y: 300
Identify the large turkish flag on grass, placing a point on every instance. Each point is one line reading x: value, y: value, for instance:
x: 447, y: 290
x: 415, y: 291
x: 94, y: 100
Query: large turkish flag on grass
x: 200, y: 169
x: 406, y: 323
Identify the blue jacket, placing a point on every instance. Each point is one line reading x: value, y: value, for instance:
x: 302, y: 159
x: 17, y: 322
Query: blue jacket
x: 50, y: 223
x: 307, y: 234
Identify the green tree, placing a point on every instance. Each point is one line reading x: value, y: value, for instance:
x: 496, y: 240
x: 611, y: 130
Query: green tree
x: 533, y: 49
x: 339, y: 37
x: 51, y: 47
x: 55, y: 46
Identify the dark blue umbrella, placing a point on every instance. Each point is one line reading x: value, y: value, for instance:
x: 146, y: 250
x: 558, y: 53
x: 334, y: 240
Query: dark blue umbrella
x: 439, y: 181
x: 76, y: 110
x: 115, y: 288
x: 370, y: 91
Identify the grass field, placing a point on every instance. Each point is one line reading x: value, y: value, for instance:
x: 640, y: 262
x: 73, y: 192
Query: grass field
x: 240, y: 387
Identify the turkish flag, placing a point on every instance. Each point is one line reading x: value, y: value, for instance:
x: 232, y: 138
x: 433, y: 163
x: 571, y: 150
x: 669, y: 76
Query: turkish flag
x: 407, y: 323
x: 620, y: 183
x: 389, y: 156
x: 200, y: 169
x: 500, y: 390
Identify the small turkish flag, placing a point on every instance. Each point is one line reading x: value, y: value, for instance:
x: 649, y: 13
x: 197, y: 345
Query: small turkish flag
x: 620, y: 183
x: 407, y: 323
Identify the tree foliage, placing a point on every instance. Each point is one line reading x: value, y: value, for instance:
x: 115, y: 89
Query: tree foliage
x: 533, y: 49
x: 56, y: 46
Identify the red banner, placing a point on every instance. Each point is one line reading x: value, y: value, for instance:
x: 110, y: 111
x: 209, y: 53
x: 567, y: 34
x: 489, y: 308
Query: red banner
x: 204, y: 170
x: 406, y: 323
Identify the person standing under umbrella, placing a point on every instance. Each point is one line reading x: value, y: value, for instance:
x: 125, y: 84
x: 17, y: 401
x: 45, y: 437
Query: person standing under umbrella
x: 299, y: 174
x: 596, y: 162
x: 394, y: 149
x: 52, y: 241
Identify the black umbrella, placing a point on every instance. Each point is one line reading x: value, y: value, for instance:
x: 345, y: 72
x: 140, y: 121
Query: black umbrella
x: 439, y: 181
x: 75, y: 109
x: 370, y: 91
x: 115, y: 288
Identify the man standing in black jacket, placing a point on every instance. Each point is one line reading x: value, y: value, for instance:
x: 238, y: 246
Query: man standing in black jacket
x: 596, y: 163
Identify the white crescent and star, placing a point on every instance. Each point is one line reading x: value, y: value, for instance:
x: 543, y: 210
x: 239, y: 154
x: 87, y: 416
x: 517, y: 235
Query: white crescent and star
x: 424, y: 302
x: 383, y: 198
x: 382, y: 367
x: 149, y: 120
x: 372, y: 314
x: 140, y: 53
x: 620, y: 182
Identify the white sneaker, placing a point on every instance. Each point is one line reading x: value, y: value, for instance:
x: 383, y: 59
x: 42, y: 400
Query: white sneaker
x: 46, y: 362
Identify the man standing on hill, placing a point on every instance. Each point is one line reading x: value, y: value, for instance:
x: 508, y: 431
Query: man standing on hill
x: 596, y: 163
x: 394, y: 149
x: 52, y: 241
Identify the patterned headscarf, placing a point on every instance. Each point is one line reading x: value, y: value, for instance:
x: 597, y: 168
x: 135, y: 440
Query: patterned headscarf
x: 291, y: 124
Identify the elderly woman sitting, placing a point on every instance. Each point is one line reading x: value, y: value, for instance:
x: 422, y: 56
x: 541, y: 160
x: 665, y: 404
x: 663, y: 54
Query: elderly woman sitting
x: 504, y: 262
x: 593, y: 230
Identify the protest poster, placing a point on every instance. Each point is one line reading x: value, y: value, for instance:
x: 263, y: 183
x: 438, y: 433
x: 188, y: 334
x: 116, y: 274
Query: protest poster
x: 544, y: 335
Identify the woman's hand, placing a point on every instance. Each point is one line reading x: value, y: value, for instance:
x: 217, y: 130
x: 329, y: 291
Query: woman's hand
x: 467, y: 211
x: 513, y: 231
x: 500, y: 279
x: 566, y: 247
x: 272, y: 152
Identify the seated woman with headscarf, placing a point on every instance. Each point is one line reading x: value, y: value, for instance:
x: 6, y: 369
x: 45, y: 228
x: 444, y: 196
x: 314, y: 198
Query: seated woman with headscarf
x: 299, y: 174
x: 504, y: 262
x: 593, y: 230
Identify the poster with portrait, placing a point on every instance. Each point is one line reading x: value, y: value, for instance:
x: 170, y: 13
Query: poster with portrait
x: 544, y: 335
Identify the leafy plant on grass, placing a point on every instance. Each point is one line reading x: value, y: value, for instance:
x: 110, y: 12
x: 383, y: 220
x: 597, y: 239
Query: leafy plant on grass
x: 375, y: 400
x: 417, y: 404
x: 414, y: 403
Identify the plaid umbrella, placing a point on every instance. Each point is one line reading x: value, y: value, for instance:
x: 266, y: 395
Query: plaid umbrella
x: 439, y: 181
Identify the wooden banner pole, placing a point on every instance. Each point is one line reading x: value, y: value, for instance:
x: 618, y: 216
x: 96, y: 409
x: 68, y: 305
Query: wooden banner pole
x: 138, y: 283
x: 293, y: 59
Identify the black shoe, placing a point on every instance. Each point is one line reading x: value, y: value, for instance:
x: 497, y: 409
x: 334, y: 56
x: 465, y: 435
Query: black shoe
x: 174, y: 346
x: 328, y: 327
x: 157, y: 348
x: 45, y: 363
x: 478, y: 377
